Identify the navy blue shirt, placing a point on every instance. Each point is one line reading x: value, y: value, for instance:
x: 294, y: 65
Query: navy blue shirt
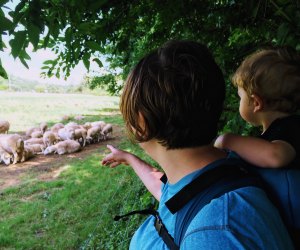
x: 286, y: 129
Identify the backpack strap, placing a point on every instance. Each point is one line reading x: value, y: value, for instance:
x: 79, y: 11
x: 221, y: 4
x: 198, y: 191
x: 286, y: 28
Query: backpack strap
x: 194, y: 196
x: 208, y: 186
x: 158, y: 224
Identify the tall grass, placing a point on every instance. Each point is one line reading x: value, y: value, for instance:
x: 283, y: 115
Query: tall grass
x: 76, y: 210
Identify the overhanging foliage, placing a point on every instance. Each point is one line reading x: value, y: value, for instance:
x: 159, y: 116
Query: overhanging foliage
x: 125, y: 30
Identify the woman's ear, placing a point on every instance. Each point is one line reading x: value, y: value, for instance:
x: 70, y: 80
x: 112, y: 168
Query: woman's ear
x: 258, y: 103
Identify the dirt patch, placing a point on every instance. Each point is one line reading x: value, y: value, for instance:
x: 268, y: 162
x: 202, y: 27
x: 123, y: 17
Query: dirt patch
x: 49, y: 167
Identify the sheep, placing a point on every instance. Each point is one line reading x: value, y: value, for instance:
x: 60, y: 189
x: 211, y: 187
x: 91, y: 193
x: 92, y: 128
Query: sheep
x: 63, y: 147
x: 57, y: 127
x: 66, y: 134
x: 36, y: 148
x: 65, y: 118
x: 50, y: 149
x: 28, y: 153
x: 37, y: 134
x: 31, y: 130
x: 34, y: 141
x: 98, y: 123
x: 93, y: 134
x: 5, y: 157
x: 12, y: 144
x: 86, y: 126
x: 49, y: 138
x: 107, y: 130
x: 78, y: 117
x: 43, y: 127
x: 72, y: 125
x: 4, y: 127
x: 80, y: 134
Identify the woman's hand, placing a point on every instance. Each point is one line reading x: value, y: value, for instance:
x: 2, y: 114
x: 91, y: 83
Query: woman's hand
x: 116, y: 157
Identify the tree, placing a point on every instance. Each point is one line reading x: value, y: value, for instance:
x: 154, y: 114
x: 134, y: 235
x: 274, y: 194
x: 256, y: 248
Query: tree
x: 125, y: 30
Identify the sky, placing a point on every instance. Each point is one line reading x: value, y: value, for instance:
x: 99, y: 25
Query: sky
x: 16, y: 68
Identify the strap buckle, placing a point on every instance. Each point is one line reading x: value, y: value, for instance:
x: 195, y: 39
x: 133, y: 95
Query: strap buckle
x: 158, y: 224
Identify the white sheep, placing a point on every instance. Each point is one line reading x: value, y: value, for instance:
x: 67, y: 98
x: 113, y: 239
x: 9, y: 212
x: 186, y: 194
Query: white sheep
x: 4, y: 127
x: 12, y: 144
x: 36, y: 148
x: 50, y: 150
x: 34, y: 141
x: 63, y: 147
x: 98, y: 123
x: 94, y: 134
x: 72, y: 126
x: 80, y: 134
x: 57, y: 127
x: 43, y: 127
x: 28, y: 153
x: 87, y: 125
x: 107, y: 130
x: 66, y: 134
x: 78, y: 117
x: 49, y: 138
x: 5, y: 157
x: 37, y: 134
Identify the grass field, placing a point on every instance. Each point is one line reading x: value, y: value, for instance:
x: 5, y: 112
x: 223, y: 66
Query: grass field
x: 74, y: 211
x: 24, y: 110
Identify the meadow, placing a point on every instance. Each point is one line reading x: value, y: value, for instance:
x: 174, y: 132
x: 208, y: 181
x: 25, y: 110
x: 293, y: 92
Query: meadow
x: 76, y: 209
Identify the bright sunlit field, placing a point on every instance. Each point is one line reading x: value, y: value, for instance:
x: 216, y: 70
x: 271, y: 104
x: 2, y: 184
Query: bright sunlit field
x: 75, y: 209
x: 24, y: 110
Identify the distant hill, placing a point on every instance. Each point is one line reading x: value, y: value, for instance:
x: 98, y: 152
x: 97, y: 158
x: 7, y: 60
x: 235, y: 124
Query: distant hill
x: 19, y: 84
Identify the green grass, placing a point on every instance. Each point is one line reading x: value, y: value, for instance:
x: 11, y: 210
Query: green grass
x: 76, y: 210
x: 24, y: 110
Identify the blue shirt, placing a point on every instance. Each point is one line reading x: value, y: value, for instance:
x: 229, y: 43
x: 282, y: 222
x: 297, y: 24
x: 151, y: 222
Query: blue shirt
x: 241, y: 219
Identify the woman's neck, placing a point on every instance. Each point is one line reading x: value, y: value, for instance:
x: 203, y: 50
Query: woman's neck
x: 178, y: 163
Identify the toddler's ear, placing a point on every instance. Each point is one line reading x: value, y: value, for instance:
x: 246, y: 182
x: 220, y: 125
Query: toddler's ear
x: 258, y: 103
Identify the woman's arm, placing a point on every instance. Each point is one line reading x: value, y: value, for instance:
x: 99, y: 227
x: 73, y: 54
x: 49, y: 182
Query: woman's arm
x: 259, y: 152
x: 149, y: 175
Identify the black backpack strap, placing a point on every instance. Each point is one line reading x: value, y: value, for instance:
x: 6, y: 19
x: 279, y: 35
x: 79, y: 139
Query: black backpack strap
x: 194, y: 196
x: 158, y: 224
x: 202, y: 190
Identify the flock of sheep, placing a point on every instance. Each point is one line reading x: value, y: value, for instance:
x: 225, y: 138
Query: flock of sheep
x: 59, y: 138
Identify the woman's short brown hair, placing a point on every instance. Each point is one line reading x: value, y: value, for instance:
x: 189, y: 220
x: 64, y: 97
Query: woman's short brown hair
x: 175, y: 95
x: 274, y: 75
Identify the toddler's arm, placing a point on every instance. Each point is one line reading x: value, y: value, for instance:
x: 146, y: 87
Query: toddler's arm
x: 257, y: 151
x: 149, y: 175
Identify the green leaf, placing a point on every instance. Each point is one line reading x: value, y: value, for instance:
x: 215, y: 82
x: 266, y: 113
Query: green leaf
x: 33, y: 34
x: 2, y: 2
x: 2, y: 44
x: 93, y: 45
x: 85, y: 26
x: 20, y: 6
x: 48, y: 62
x: 68, y: 35
x: 23, y: 54
x: 17, y: 43
x: 86, y: 61
x: 97, y: 60
x: 3, y: 72
x: 24, y: 62
x: 282, y: 33
x: 6, y: 24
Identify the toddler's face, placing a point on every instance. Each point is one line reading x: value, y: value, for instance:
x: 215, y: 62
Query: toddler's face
x: 246, y: 107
